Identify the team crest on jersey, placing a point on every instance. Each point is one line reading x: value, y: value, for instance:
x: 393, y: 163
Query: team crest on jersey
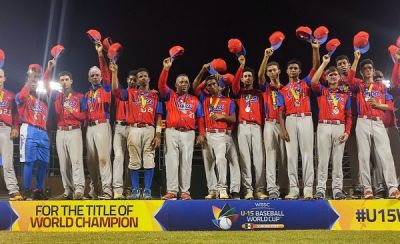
x: 183, y: 107
x: 139, y: 101
x: 218, y: 108
x: 69, y: 103
x: 372, y: 94
x: 338, y: 98
x: 3, y: 104
x: 253, y: 99
x: 37, y: 108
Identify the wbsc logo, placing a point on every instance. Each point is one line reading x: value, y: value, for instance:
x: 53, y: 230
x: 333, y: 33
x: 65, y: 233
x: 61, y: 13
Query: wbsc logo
x: 224, y: 218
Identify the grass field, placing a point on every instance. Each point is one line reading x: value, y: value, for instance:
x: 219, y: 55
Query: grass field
x: 206, y: 237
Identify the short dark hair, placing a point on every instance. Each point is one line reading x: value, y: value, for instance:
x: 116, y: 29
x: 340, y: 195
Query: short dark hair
x: 294, y: 61
x: 210, y: 77
x: 273, y: 63
x: 365, y: 62
x: 248, y: 69
x: 142, y: 70
x: 341, y: 57
x: 331, y: 69
x: 65, y: 73
x: 133, y: 72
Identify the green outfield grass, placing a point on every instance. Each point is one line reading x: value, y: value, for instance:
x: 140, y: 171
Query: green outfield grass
x: 206, y: 237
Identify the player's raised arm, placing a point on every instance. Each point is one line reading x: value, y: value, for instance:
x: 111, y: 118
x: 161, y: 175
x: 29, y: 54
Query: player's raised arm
x: 395, y: 78
x: 316, y: 59
x: 263, y: 66
x: 162, y: 81
x: 105, y: 72
x: 238, y: 75
x: 315, y: 79
x: 200, y: 76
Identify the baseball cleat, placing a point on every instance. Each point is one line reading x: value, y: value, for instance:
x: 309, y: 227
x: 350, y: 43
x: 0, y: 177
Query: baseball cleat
x: 16, y: 196
x: 211, y: 195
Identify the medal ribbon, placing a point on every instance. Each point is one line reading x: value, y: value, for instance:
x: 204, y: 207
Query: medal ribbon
x: 247, y: 100
x: 1, y: 96
x: 294, y: 93
x: 143, y: 101
x: 334, y: 100
x: 370, y: 89
x: 274, y: 95
x: 212, y: 107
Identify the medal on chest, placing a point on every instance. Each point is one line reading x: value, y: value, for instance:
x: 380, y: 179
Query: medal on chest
x: 335, y: 103
x: 368, y: 93
x: 296, y: 96
x: 213, y: 106
x: 247, y: 100
x: 143, y: 103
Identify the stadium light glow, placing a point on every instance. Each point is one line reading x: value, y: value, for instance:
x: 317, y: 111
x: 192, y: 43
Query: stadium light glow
x: 386, y: 83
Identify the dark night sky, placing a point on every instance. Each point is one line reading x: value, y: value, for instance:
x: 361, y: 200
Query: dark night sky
x: 147, y: 30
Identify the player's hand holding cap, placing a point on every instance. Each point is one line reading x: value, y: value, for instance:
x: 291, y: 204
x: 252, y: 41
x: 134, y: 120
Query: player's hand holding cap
x: 56, y: 51
x: 331, y: 46
x: 361, y: 42
x: 392, y: 52
x: 236, y: 47
x: 304, y: 33
x: 114, y: 52
x: 176, y: 51
x: 321, y: 34
x: 276, y: 39
x: 94, y: 35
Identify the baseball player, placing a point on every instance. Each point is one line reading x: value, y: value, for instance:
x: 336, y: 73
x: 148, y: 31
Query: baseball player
x: 98, y: 135
x: 70, y: 108
x: 120, y: 141
x: 231, y: 152
x: 333, y: 130
x: 372, y: 101
x: 275, y: 152
x: 184, y: 112
x: 143, y: 113
x: 219, y: 111
x: 250, y: 103
x: 8, y: 132
x: 34, y: 140
x: 343, y: 65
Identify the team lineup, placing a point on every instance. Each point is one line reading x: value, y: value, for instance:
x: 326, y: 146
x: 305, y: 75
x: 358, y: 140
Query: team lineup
x: 254, y: 135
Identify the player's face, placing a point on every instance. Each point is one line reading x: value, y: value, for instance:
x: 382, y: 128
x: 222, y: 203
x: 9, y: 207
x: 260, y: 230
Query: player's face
x: 293, y: 71
x: 182, y: 84
x: 367, y: 71
x: 131, y: 80
x: 2, y: 78
x: 143, y: 78
x: 247, y: 78
x: 273, y: 72
x: 343, y: 66
x: 95, y: 78
x: 65, y: 81
x: 212, y: 87
x: 333, y: 78
x: 378, y: 76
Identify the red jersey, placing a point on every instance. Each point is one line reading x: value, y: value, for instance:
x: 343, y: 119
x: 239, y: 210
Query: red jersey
x: 272, y: 97
x: 33, y: 110
x: 8, y: 109
x: 333, y: 105
x: 218, y: 105
x: 296, y: 97
x: 365, y: 91
x: 71, y: 109
x: 98, y: 100
x: 141, y: 106
x: 182, y: 110
x: 120, y: 109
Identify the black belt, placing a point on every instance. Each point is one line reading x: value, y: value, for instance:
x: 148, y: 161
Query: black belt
x: 119, y: 122
x: 96, y: 122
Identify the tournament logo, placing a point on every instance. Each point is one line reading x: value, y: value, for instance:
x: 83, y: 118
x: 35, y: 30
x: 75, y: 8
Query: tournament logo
x: 224, y: 218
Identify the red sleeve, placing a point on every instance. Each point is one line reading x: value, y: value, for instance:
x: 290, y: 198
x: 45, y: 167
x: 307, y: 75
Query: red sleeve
x: 316, y: 87
x: 117, y: 93
x: 390, y: 104
x: 395, y: 75
x: 162, y: 83
x: 105, y: 72
x: 351, y: 81
x: 348, y: 121
x: 23, y: 94
x: 200, y: 87
x: 201, y: 126
x: 236, y: 81
x: 15, y: 116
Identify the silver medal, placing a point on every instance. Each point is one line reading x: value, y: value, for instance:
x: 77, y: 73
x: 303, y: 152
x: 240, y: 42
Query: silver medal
x: 336, y: 110
x: 247, y: 109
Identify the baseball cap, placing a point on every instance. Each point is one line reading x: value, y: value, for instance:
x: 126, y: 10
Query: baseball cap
x: 56, y: 51
x: 176, y: 51
x: 236, y: 47
x: 392, y: 52
x: 35, y: 68
x: 94, y: 35
x: 361, y: 42
x: 217, y: 65
x: 114, y: 52
x: 107, y: 42
x: 304, y: 33
x: 331, y: 46
x: 321, y: 34
x: 276, y: 39
x: 2, y: 58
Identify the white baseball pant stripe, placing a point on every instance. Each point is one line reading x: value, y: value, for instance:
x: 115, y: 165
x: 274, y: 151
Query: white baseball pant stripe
x: 368, y: 130
x: 178, y: 159
x: 329, y: 144
x: 275, y: 153
x: 215, y: 163
x: 120, y: 149
x: 98, y: 145
x: 6, y: 153
x: 233, y: 160
x: 70, y: 154
x: 301, y: 134
x: 251, y: 147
